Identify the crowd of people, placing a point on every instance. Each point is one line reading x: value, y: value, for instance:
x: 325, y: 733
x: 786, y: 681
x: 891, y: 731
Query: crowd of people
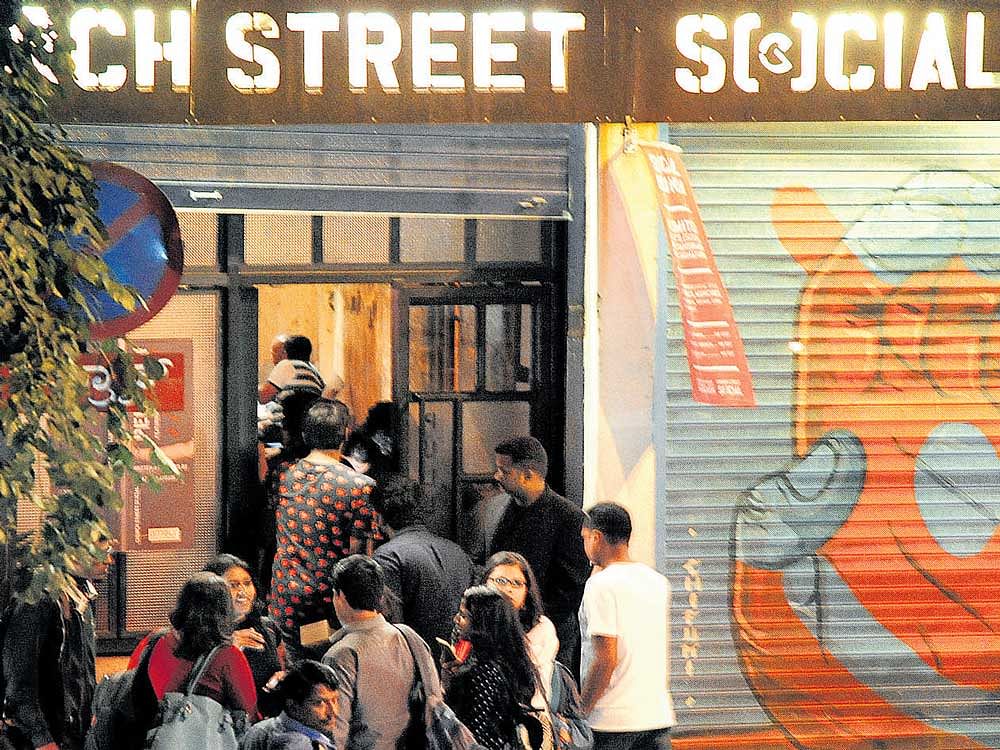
x: 363, y: 597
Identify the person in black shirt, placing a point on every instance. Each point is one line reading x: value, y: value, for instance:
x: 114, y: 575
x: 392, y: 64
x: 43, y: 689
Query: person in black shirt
x: 544, y: 527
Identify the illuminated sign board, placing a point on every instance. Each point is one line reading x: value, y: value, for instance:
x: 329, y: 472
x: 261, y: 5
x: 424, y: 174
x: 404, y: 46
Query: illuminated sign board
x: 230, y: 61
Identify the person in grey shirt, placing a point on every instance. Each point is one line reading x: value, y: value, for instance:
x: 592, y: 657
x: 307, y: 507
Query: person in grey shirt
x: 425, y: 574
x: 374, y: 664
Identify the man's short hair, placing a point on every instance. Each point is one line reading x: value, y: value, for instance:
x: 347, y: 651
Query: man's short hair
x: 399, y: 500
x: 361, y: 580
x: 526, y: 452
x: 298, y: 347
x: 324, y: 425
x: 302, y: 678
x: 610, y: 519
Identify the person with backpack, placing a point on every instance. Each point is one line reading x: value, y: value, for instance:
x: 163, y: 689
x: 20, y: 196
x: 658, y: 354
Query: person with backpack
x: 202, y: 620
x: 490, y: 684
x: 48, y: 670
x: 255, y: 634
x: 511, y: 574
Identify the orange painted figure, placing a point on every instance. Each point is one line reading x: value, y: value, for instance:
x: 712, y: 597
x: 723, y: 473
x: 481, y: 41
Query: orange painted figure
x: 866, y: 588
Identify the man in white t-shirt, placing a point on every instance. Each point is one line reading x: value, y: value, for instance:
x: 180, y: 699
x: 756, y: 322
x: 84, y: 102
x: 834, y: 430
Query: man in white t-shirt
x: 625, y: 624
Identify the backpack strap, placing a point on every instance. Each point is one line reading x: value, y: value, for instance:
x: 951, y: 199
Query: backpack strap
x: 194, y: 676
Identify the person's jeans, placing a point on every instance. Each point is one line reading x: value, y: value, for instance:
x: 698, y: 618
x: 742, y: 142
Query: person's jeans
x: 651, y: 739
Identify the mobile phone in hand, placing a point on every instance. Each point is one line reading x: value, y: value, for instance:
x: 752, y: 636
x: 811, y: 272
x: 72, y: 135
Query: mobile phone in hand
x: 459, y: 652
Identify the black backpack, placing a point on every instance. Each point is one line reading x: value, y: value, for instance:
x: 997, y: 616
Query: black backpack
x: 123, y: 708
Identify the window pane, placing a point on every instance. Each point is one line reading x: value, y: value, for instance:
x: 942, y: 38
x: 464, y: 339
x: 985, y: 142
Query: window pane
x: 277, y: 239
x: 356, y: 238
x: 427, y: 240
x: 436, y: 457
x: 486, y: 424
x: 511, y: 241
x: 442, y: 348
x: 200, y: 234
x: 508, y: 347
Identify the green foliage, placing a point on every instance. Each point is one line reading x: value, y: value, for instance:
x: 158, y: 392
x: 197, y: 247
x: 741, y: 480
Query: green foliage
x: 47, y: 426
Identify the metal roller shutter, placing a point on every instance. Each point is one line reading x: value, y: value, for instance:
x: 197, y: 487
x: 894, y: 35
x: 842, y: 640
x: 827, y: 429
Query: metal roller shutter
x: 503, y: 171
x: 849, y: 599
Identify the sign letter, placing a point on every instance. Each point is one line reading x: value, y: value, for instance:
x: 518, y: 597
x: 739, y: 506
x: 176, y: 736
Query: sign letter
x: 426, y: 52
x: 933, y: 63
x: 833, y: 64
x: 149, y: 51
x: 485, y: 52
x: 270, y: 75
x: 381, y: 55
x: 715, y: 78
x: 81, y: 24
x: 312, y: 26
x: 558, y: 25
x: 975, y: 76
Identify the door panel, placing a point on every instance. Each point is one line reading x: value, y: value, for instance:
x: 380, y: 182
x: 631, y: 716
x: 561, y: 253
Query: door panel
x: 476, y: 372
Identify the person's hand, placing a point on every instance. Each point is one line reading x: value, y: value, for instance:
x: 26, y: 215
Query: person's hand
x: 273, y: 681
x: 48, y: 746
x: 248, y: 638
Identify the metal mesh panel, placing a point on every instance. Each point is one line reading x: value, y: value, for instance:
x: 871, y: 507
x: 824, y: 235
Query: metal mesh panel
x: 154, y: 577
x: 431, y: 240
x: 277, y: 239
x: 356, y: 238
x: 200, y: 234
x: 511, y: 241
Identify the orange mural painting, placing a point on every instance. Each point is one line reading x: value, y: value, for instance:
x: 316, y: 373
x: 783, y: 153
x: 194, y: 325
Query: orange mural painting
x: 865, y: 594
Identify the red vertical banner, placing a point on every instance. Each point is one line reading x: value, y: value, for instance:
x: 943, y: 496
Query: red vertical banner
x: 717, y: 362
x: 162, y: 518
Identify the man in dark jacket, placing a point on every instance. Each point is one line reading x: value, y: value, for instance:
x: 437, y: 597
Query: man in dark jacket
x: 425, y: 574
x: 48, y: 669
x: 545, y: 528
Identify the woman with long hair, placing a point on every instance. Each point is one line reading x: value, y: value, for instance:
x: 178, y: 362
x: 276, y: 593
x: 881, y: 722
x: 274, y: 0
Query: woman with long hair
x: 511, y: 574
x: 491, y: 690
x: 255, y: 634
x: 202, y: 619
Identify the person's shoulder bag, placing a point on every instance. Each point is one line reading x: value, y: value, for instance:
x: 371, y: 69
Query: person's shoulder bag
x: 186, y: 721
x: 433, y: 725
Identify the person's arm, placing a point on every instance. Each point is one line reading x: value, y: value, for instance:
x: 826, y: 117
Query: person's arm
x: 239, y: 682
x: 136, y: 657
x: 392, y: 603
x: 598, y: 677
x: 279, y: 377
x: 27, y: 635
x: 570, y: 568
x: 266, y: 392
x: 345, y: 663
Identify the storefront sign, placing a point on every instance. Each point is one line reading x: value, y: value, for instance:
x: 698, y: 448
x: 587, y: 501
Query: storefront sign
x: 717, y: 362
x: 350, y: 61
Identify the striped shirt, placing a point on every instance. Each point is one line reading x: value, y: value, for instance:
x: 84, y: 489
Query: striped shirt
x: 295, y: 374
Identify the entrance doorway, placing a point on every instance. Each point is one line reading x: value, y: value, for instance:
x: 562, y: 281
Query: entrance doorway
x: 465, y: 366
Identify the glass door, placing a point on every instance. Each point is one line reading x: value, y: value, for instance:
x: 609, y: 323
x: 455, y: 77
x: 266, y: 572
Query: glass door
x: 478, y: 369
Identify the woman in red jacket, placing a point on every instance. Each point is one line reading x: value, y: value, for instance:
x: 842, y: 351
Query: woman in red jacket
x: 202, y: 619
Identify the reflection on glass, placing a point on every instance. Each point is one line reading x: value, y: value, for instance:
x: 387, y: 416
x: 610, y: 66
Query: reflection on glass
x: 442, y: 348
x: 486, y: 424
x: 499, y: 240
x: 413, y: 442
x: 436, y: 457
x: 508, y: 347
